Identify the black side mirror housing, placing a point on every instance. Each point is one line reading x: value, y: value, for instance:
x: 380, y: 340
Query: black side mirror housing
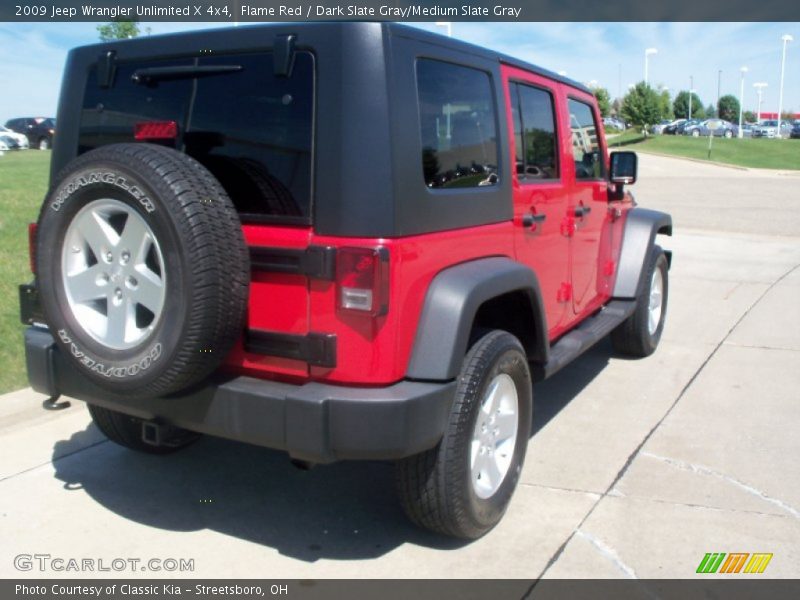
x: 624, y: 166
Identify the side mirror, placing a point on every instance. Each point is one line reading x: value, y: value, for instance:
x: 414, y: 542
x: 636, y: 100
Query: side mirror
x: 623, y: 168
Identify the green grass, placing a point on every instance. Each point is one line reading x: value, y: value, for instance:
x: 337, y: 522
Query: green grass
x: 23, y: 183
x: 756, y: 153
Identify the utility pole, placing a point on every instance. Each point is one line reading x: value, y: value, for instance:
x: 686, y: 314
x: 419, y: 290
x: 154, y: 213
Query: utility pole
x: 691, y: 91
x: 719, y: 84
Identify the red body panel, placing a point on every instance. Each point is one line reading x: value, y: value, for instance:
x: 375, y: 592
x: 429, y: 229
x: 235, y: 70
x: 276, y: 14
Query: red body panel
x: 575, y: 260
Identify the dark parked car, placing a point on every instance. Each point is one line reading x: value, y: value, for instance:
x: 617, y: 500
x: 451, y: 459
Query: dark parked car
x: 715, y: 127
x: 672, y: 128
x: 39, y: 130
x: 682, y: 127
x: 795, y: 132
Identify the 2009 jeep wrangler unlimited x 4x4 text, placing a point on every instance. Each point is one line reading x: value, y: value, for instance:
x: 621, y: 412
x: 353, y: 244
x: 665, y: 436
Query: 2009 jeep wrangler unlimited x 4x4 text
x: 341, y: 240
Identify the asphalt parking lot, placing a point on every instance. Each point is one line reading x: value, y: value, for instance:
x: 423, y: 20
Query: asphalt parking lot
x: 637, y: 468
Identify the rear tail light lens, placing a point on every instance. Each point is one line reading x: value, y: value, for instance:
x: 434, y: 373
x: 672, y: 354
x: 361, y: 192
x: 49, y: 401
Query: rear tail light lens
x: 362, y: 280
x: 155, y: 130
x: 32, y: 246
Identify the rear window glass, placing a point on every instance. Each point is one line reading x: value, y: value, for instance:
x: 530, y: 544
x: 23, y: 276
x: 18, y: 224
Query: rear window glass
x: 250, y: 128
x: 457, y: 122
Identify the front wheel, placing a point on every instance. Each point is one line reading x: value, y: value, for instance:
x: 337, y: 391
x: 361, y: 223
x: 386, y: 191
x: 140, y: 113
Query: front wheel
x: 729, y: 134
x: 695, y: 133
x: 44, y: 144
x: 640, y: 333
x: 463, y: 486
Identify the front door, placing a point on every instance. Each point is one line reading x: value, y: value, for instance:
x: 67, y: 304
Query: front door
x: 588, y: 204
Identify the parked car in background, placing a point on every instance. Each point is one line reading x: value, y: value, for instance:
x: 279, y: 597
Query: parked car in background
x: 39, y: 130
x: 5, y: 143
x: 21, y: 139
x: 659, y: 127
x: 769, y: 129
x: 614, y: 122
x: 715, y: 127
x: 686, y: 123
x: 672, y: 128
x: 795, y: 132
x: 747, y: 129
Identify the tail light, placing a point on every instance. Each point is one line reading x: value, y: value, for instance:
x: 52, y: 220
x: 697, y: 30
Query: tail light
x: 155, y: 130
x: 362, y: 280
x: 32, y: 246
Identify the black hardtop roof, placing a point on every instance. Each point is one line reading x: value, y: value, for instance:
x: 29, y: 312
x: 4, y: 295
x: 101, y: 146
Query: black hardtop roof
x: 395, y: 29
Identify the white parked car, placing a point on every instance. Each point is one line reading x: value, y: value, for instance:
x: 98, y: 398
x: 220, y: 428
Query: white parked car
x: 20, y: 138
x: 769, y: 129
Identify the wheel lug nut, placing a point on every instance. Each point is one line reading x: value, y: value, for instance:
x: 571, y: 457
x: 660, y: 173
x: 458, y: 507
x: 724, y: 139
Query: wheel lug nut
x: 125, y: 256
x: 109, y: 257
x: 132, y: 283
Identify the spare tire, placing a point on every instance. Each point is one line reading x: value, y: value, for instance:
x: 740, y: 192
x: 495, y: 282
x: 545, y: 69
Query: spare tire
x: 142, y: 268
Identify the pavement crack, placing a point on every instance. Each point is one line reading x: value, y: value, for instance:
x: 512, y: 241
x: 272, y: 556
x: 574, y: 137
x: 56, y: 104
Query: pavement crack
x: 703, y: 470
x: 561, y: 489
x: 609, y: 553
x: 560, y: 550
x: 53, y: 461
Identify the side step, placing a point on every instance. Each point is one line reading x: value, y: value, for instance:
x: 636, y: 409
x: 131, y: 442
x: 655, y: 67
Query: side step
x: 583, y: 337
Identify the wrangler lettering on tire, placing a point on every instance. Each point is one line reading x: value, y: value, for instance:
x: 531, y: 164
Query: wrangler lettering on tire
x: 143, y: 267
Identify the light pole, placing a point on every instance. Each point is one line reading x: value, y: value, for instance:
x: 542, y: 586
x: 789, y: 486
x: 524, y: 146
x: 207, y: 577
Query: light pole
x: 786, y: 39
x: 743, y: 70
x: 759, y: 90
x: 719, y: 83
x: 691, y: 91
x: 447, y: 24
x: 647, y: 54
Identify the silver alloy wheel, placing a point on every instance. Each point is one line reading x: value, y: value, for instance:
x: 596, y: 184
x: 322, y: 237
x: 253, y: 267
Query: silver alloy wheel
x: 656, y: 301
x: 494, y: 437
x: 113, y: 274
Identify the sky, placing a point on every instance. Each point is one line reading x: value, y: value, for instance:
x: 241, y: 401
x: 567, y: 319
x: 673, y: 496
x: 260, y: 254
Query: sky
x: 610, y: 55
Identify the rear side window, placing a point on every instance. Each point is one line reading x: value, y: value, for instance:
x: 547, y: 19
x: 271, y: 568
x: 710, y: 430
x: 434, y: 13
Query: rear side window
x: 457, y: 123
x: 585, y: 146
x: 250, y: 128
x: 534, y: 133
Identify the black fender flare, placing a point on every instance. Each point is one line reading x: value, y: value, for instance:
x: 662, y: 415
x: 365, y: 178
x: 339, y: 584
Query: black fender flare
x: 641, y: 227
x: 451, y: 303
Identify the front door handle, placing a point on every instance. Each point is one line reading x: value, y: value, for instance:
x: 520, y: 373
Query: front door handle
x: 582, y: 211
x: 530, y: 219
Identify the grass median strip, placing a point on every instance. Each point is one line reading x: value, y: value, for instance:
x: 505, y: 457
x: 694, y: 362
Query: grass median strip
x: 23, y: 183
x: 759, y: 153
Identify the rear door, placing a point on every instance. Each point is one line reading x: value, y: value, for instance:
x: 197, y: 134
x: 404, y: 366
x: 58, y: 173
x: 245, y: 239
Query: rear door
x: 540, y: 200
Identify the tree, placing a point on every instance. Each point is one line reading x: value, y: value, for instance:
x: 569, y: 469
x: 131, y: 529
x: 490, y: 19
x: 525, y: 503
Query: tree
x: 728, y: 108
x: 603, y: 100
x: 665, y: 105
x: 641, y: 106
x: 118, y: 30
x: 681, y: 106
x: 749, y: 116
x: 710, y: 111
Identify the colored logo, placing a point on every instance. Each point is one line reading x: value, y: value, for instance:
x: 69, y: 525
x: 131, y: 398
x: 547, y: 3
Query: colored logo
x: 735, y: 562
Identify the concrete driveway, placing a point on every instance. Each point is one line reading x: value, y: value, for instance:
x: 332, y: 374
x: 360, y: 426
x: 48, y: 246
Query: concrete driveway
x: 637, y: 468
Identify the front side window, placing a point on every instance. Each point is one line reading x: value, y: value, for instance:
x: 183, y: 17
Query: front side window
x: 534, y: 133
x: 457, y: 125
x: 585, y: 145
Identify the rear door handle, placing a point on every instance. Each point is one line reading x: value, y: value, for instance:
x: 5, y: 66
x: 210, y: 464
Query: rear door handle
x: 530, y: 219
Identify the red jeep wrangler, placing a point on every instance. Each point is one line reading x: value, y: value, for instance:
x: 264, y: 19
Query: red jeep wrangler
x: 341, y: 240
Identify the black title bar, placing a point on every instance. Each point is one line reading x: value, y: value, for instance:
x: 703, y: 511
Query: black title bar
x: 252, y: 11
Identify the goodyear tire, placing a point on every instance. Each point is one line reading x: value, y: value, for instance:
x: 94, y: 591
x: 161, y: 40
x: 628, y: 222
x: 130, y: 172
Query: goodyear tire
x: 463, y: 486
x: 142, y: 269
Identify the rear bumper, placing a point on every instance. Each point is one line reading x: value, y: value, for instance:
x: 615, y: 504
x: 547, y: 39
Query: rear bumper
x: 314, y: 422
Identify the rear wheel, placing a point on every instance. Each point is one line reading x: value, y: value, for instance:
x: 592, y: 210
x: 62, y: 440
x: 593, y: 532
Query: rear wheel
x: 728, y: 134
x: 126, y: 431
x: 640, y: 334
x: 463, y: 486
x: 695, y: 133
x: 44, y: 144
